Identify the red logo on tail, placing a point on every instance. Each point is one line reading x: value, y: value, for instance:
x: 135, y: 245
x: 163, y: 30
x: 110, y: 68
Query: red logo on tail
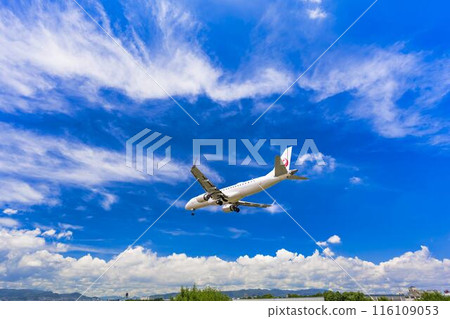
x: 285, y: 162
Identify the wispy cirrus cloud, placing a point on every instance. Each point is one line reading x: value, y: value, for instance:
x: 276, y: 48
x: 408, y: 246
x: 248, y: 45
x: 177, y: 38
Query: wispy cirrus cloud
x: 54, y: 47
x: 34, y: 165
x: 14, y: 190
x: 394, y: 90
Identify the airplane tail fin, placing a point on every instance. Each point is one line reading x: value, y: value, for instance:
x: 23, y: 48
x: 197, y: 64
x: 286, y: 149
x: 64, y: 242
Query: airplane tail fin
x: 279, y: 169
x: 282, y: 163
x: 286, y: 157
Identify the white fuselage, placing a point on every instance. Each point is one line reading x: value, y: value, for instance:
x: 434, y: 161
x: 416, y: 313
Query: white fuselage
x: 237, y: 191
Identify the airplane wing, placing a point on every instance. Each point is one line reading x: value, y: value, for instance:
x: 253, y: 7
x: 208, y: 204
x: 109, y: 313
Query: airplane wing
x: 209, y: 187
x: 249, y: 204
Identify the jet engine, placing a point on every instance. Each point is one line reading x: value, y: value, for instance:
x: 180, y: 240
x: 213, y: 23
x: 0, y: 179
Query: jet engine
x: 203, y: 198
x: 230, y: 208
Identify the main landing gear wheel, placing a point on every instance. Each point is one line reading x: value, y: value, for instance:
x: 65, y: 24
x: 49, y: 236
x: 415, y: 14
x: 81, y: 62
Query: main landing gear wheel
x: 219, y: 202
x: 237, y: 210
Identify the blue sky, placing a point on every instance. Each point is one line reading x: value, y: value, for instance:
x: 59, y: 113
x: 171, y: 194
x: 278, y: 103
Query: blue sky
x: 376, y: 106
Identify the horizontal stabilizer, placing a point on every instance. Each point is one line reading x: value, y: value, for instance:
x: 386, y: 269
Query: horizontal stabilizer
x: 297, y: 177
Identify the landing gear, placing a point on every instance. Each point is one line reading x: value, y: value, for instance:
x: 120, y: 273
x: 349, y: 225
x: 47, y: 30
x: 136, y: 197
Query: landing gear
x: 235, y: 209
x: 192, y: 214
x: 219, y: 202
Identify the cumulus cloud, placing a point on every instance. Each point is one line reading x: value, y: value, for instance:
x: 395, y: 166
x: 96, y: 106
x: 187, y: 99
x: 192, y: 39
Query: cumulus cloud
x: 335, y: 239
x: 8, y: 222
x: 67, y: 234
x: 316, y: 13
x: 328, y: 252
x: 50, y: 233
x: 33, y: 262
x: 53, y: 46
x: 10, y: 211
x: 378, y: 79
x: 355, y: 180
x: 316, y: 163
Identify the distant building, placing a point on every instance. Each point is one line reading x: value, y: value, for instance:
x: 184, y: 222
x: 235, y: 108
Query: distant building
x: 414, y: 293
x: 390, y: 297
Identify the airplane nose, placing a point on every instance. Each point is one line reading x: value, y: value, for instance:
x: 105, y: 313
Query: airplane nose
x: 188, y: 205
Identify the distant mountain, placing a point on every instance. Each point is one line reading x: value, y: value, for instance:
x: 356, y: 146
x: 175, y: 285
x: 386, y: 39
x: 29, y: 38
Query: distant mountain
x: 254, y: 293
x: 33, y: 294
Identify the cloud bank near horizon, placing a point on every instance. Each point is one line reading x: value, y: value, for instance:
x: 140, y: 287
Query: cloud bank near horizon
x: 35, y: 259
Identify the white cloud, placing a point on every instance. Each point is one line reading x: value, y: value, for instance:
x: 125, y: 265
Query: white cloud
x: 274, y: 209
x: 70, y: 226
x: 65, y: 234
x: 322, y: 243
x: 50, y: 233
x: 328, y: 252
x: 108, y: 200
x: 355, y: 180
x: 17, y: 191
x: 316, y: 163
x: 50, y: 46
x: 237, y: 233
x: 55, y: 160
x: 25, y: 153
x: 378, y: 78
x: 335, y: 239
x: 8, y: 222
x: 53, y: 233
x: 10, y: 211
x: 313, y: 1
x: 316, y: 13
x: 32, y: 262
x: 14, y: 241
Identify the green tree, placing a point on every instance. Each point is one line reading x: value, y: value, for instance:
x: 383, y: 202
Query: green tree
x: 433, y: 296
x: 195, y: 294
x: 332, y: 296
x: 382, y: 298
x: 345, y: 296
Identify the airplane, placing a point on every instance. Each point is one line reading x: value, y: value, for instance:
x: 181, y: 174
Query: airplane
x: 230, y: 197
